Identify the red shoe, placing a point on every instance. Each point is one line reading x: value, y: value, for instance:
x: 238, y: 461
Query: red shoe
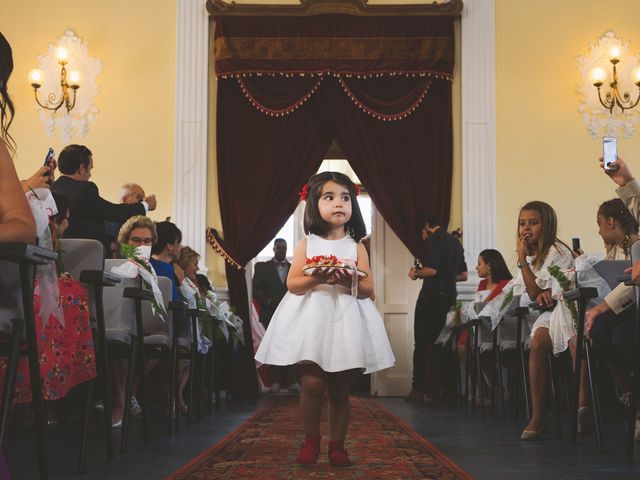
x: 338, y: 456
x: 308, y: 454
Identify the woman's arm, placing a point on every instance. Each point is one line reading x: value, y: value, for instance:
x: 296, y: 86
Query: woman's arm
x: 16, y: 221
x: 297, y: 282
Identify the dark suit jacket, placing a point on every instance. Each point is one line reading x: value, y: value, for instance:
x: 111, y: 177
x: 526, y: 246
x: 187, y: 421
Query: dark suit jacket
x: 268, y: 290
x: 88, y: 211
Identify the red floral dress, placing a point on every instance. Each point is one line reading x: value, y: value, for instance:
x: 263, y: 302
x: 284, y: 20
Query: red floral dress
x: 66, y: 353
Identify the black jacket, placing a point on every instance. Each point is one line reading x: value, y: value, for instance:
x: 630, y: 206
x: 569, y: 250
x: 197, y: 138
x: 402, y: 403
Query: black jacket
x: 268, y: 290
x: 89, y: 211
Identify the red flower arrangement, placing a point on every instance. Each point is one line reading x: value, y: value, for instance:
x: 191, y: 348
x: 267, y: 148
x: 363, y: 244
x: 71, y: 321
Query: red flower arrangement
x: 305, y: 191
x: 323, y: 260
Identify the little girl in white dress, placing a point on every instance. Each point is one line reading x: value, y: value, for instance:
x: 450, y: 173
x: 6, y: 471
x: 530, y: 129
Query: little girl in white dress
x: 327, y: 323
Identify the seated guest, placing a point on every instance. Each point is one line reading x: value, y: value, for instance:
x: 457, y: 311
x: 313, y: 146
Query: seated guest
x: 166, y: 252
x: 538, y: 248
x: 495, y: 275
x: 89, y: 211
x: 65, y: 343
x: 188, y: 261
x: 611, y: 324
x: 137, y: 231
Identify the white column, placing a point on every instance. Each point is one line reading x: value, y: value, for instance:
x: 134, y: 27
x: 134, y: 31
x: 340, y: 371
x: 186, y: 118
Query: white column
x: 478, y: 77
x: 190, y: 155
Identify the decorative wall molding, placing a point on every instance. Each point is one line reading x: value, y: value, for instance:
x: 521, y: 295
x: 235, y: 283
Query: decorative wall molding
x: 343, y: 7
x: 597, y: 118
x: 190, y: 156
x: 76, y: 122
x: 478, y: 77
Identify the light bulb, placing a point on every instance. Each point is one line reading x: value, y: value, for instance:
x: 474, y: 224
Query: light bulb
x: 74, y: 78
x: 36, y: 77
x: 635, y: 74
x: 597, y: 75
x: 615, y: 52
x: 62, y: 54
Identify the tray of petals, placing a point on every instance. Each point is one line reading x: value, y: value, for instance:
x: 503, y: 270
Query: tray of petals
x: 329, y: 262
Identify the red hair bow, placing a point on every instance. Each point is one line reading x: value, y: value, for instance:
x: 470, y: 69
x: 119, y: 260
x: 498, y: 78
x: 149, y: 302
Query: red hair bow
x: 357, y: 189
x: 303, y: 193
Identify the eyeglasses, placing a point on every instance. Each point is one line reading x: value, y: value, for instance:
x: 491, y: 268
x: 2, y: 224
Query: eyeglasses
x: 141, y: 241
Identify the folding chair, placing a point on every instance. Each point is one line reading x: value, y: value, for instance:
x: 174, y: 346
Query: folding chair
x: 84, y: 260
x: 18, y: 271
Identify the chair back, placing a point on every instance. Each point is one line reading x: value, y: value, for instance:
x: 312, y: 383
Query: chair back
x: 610, y: 270
x: 80, y: 254
x: 153, y: 324
x: 10, y: 295
x: 119, y: 312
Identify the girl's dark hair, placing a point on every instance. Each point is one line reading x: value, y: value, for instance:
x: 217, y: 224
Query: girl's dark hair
x: 313, y: 222
x: 499, y: 269
x: 549, y: 232
x: 167, y: 233
x: 616, y: 209
x: 6, y: 105
x: 63, y: 208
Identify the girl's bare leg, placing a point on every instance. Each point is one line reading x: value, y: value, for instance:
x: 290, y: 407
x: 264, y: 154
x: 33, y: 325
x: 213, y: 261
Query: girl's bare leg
x: 312, y: 381
x: 539, y: 377
x: 339, y: 386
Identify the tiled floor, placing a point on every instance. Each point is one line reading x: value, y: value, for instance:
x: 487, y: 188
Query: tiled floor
x: 485, y: 447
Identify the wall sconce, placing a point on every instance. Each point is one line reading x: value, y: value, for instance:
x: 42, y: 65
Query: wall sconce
x: 36, y: 78
x: 61, y: 72
x: 613, y: 97
x: 609, y: 111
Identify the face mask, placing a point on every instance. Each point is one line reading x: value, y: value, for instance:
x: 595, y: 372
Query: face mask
x: 144, y: 251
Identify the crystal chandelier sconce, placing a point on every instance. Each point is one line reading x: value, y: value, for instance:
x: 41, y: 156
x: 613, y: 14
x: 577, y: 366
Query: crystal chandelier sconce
x: 67, y: 84
x: 613, y: 98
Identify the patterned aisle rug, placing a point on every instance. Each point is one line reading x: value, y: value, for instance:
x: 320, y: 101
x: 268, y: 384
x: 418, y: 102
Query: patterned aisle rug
x: 379, y: 444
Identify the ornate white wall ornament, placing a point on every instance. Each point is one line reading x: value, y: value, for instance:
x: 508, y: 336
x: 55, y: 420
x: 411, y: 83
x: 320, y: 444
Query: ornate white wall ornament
x: 77, y: 121
x: 598, y: 119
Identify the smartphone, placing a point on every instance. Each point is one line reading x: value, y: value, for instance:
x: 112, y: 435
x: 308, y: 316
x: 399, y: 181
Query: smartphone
x: 575, y: 244
x: 610, y: 148
x: 47, y: 160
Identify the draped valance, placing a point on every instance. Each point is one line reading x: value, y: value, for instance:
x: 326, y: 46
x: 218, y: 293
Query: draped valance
x: 334, y: 44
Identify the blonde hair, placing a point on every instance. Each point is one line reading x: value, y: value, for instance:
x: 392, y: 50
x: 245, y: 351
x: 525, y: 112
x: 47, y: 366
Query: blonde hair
x: 187, y: 254
x: 137, y: 221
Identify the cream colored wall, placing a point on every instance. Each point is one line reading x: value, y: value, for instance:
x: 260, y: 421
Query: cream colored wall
x: 544, y: 151
x: 132, y: 135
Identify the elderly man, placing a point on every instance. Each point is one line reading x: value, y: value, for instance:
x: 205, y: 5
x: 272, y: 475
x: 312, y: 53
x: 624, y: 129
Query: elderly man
x: 130, y: 194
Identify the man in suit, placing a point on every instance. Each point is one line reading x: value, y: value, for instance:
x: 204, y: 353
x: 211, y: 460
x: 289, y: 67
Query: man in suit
x: 269, y: 286
x: 88, y: 211
x: 270, y: 281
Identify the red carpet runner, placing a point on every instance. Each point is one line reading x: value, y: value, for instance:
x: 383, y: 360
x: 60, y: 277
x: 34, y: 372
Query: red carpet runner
x: 380, y: 445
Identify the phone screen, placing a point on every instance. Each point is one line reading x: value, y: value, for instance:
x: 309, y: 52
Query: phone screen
x: 610, y: 151
x: 50, y: 154
x: 575, y: 244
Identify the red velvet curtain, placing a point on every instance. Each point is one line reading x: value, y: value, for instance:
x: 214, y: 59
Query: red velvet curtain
x: 273, y: 129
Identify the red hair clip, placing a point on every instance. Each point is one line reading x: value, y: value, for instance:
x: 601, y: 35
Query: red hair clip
x: 303, y: 193
x: 357, y: 189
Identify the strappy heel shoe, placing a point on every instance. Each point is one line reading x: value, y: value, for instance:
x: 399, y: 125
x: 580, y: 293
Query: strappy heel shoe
x: 308, y: 454
x: 338, y: 456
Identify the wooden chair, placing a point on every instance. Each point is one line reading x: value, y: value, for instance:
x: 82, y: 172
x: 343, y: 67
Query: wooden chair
x: 18, y: 263
x: 84, y: 260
